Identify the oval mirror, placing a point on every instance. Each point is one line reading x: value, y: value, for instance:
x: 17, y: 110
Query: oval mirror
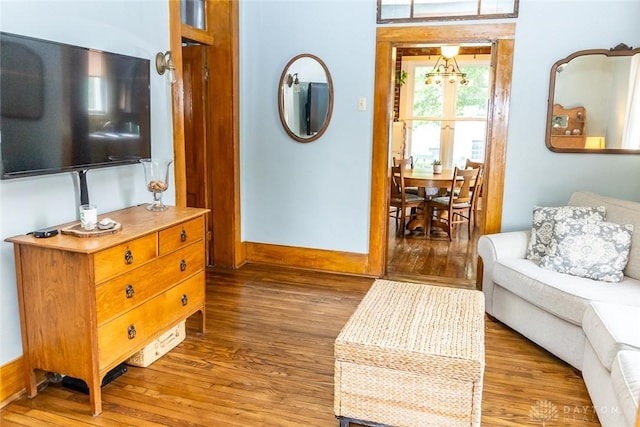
x: 305, y: 98
x: 593, y: 96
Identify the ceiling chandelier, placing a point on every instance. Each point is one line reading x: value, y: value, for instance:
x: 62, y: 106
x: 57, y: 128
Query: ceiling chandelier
x: 446, y: 68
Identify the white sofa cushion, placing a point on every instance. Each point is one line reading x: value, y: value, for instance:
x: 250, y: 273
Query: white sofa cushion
x: 560, y: 294
x: 611, y: 328
x: 620, y: 212
x: 625, y: 377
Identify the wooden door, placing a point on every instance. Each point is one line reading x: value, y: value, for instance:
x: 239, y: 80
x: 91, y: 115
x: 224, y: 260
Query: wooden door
x: 195, y: 133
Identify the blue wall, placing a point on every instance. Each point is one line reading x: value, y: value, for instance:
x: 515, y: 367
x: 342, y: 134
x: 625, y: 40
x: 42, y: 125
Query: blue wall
x: 317, y: 195
x: 545, y: 33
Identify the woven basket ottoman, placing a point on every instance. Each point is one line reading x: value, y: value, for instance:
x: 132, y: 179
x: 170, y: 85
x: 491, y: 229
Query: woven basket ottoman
x: 411, y: 355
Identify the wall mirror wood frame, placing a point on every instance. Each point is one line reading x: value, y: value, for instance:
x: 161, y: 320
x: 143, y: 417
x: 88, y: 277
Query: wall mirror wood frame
x: 592, y: 96
x: 305, y: 97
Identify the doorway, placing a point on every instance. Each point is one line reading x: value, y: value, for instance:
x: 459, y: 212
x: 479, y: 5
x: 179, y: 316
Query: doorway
x: 500, y: 37
x: 197, y: 170
x: 443, y: 118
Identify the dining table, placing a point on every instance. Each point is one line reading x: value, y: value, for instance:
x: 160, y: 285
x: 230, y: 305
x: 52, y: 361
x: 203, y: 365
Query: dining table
x: 423, y: 179
x: 426, y: 178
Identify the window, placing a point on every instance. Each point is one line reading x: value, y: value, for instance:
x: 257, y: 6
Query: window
x: 97, y: 102
x: 446, y: 121
x: 96, y: 84
x: 427, y: 10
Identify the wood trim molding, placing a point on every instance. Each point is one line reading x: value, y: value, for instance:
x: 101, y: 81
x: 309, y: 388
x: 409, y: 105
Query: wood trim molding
x: 501, y: 36
x: 11, y: 381
x: 12, y: 385
x: 496, y: 153
x: 222, y: 46
x: 449, y: 33
x: 378, y: 222
x: 223, y: 133
x: 177, y: 92
x: 308, y: 258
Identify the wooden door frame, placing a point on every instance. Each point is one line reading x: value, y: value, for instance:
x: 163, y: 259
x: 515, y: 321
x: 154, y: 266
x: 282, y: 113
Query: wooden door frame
x: 501, y: 36
x: 222, y: 40
x: 177, y: 98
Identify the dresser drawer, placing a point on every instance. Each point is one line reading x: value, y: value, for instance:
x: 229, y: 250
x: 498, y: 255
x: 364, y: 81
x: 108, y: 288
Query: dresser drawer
x: 125, y: 257
x: 181, y: 235
x: 124, y: 335
x: 128, y: 290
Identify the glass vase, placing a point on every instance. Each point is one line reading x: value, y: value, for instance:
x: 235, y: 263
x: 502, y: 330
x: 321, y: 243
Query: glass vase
x: 156, y: 176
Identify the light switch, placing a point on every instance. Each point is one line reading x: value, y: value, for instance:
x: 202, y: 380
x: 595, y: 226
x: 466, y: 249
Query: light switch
x: 362, y: 104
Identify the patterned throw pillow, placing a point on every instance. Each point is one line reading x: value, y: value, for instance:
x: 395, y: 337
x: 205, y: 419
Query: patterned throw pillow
x: 544, y: 219
x: 596, y: 250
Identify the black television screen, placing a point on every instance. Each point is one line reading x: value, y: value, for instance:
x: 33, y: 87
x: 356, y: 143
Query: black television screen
x: 66, y: 108
x: 317, y: 106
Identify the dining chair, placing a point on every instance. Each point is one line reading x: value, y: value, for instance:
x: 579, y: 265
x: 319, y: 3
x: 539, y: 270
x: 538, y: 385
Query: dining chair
x: 475, y: 199
x: 472, y: 164
x: 400, y: 200
x: 447, y: 212
x: 408, y: 162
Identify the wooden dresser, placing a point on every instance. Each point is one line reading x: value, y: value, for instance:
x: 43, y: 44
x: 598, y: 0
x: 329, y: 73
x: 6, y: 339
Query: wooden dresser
x: 568, y: 127
x: 87, y: 304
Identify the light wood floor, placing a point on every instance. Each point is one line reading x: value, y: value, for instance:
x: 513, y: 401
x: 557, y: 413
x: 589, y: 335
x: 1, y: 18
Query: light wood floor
x: 267, y: 360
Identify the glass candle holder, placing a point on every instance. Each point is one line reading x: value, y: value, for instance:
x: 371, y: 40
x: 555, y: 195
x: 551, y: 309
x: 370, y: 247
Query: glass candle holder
x: 156, y: 176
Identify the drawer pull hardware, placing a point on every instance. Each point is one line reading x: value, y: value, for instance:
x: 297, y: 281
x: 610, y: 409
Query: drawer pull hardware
x: 128, y: 257
x: 131, y: 332
x: 183, y: 235
x: 183, y: 265
x: 129, y: 291
x: 184, y: 299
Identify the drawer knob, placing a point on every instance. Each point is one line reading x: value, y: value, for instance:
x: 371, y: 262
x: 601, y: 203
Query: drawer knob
x: 131, y: 332
x: 184, y: 299
x: 128, y: 257
x: 183, y: 235
x: 129, y: 291
x: 183, y: 265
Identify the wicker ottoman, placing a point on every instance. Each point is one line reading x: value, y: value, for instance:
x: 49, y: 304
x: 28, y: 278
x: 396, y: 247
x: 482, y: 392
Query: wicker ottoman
x: 411, y: 355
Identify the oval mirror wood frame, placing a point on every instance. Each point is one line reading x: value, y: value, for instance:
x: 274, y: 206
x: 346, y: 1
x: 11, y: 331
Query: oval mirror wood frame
x: 291, y: 77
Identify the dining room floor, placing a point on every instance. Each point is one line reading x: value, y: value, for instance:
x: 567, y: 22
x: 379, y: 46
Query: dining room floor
x: 418, y: 256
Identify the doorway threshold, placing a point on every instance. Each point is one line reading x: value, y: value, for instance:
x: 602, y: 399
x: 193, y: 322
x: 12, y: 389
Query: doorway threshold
x: 432, y: 280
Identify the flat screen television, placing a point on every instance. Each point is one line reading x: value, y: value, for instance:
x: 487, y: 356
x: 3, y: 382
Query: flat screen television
x: 317, y: 106
x: 68, y: 108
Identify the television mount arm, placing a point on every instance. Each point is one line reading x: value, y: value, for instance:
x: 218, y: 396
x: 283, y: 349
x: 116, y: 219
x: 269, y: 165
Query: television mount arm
x: 84, y: 192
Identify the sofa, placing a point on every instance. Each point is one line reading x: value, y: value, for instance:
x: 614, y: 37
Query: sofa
x: 592, y: 324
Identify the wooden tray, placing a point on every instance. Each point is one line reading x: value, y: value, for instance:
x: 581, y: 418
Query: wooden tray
x: 76, y: 230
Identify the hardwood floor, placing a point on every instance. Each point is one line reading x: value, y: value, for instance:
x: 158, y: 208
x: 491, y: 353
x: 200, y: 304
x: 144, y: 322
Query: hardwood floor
x: 418, y: 257
x: 267, y: 360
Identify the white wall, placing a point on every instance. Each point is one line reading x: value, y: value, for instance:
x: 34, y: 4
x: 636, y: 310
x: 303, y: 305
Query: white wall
x: 317, y: 195
x: 136, y: 28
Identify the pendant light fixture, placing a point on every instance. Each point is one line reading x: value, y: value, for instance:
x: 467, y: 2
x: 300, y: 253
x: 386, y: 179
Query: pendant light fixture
x: 446, y: 68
